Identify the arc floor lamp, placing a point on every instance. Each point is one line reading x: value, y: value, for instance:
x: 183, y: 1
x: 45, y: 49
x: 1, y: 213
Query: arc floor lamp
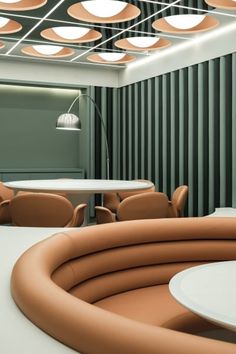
x: 70, y: 121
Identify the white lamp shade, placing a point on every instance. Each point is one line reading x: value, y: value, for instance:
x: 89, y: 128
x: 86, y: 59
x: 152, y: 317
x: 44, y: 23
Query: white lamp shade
x: 68, y: 121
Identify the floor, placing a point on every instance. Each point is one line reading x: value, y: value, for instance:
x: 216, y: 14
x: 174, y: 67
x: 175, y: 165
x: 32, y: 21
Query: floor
x: 18, y: 335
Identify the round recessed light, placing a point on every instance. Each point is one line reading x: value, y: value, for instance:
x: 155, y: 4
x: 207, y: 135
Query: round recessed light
x: 222, y: 4
x: 142, y: 43
x: 185, y: 23
x: 4, y: 21
x: 47, y: 51
x: 103, y: 11
x: 71, y: 34
x: 8, y: 26
x: 10, y: 1
x: 104, y: 8
x: 111, y: 58
x: 21, y: 5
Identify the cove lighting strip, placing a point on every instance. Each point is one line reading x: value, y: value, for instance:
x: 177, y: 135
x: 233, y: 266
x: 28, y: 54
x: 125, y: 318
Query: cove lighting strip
x: 35, y: 26
x: 63, y: 61
x: 125, y: 30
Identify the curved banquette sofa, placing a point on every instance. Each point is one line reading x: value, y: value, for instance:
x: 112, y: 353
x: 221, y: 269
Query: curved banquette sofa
x: 104, y: 289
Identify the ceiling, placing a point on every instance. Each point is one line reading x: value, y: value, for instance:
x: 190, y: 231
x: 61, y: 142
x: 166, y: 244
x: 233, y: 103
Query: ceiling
x: 54, y: 13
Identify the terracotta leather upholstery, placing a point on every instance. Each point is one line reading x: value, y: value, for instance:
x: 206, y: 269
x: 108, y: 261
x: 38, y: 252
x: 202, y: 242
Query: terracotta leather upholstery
x: 151, y: 205
x: 45, y: 210
x: 103, y: 289
x: 178, y: 200
x: 112, y: 201
x: 6, y: 195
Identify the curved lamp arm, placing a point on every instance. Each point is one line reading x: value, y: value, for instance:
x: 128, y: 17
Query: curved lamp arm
x: 103, y: 126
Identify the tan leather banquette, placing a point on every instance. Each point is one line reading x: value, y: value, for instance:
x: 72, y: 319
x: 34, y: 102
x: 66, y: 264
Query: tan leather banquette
x: 104, y: 289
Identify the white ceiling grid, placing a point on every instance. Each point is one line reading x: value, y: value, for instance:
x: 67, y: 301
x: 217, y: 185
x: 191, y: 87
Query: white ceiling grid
x: 49, y: 16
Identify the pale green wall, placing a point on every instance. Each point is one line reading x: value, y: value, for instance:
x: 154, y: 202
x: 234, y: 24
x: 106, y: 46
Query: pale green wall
x: 28, y: 138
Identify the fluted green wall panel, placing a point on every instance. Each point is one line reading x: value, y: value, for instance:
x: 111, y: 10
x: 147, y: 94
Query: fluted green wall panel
x: 176, y: 129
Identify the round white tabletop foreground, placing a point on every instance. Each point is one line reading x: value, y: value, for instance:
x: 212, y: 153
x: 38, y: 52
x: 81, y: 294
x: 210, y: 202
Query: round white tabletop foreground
x: 223, y: 212
x: 78, y: 185
x: 209, y: 291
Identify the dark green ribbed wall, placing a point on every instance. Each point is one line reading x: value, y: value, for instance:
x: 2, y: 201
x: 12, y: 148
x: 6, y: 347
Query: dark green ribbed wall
x: 178, y: 128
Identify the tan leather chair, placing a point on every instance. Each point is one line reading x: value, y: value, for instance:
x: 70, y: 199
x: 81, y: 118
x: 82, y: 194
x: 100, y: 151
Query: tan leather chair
x: 112, y: 201
x: 45, y: 210
x: 152, y: 205
x: 105, y: 288
x: 178, y: 201
x: 6, y: 195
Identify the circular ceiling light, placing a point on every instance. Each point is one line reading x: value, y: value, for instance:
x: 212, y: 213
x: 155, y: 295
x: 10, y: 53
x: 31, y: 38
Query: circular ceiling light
x: 222, y: 4
x: 9, y: 26
x: 111, y: 58
x: 104, y: 8
x: 185, y: 24
x: 71, y: 34
x: 103, y: 11
x: 21, y: 5
x: 10, y: 1
x: 48, y: 51
x: 142, y: 43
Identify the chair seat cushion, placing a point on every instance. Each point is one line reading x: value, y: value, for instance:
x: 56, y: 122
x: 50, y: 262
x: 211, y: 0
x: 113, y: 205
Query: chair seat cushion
x: 156, y: 306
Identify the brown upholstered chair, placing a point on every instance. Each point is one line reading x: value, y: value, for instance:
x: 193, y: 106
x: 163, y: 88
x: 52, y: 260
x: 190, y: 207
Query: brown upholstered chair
x: 105, y: 288
x: 151, y: 205
x: 112, y: 201
x: 45, y: 210
x: 178, y: 200
x: 6, y: 195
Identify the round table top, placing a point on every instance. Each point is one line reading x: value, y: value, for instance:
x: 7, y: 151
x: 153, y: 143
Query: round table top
x: 78, y: 185
x: 208, y: 290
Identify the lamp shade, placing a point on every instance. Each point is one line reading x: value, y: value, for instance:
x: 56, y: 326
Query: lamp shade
x: 68, y: 121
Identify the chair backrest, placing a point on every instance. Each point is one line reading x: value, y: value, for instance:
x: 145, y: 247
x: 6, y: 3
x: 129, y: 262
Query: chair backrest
x: 41, y: 210
x: 111, y: 200
x: 178, y: 200
x: 143, y: 206
x: 124, y: 195
x: 5, y: 193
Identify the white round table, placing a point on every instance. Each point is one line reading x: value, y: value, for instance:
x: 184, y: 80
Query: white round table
x: 77, y: 190
x: 209, y: 291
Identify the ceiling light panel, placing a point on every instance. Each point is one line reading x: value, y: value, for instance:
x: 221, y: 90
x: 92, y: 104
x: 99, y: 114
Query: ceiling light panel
x: 61, y: 29
x: 71, y: 34
x: 222, y: 4
x: 21, y: 5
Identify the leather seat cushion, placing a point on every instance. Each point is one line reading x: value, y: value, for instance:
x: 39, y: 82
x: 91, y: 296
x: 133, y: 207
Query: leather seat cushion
x: 156, y: 306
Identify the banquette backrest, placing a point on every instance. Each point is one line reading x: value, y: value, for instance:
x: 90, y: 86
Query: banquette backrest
x: 56, y: 282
